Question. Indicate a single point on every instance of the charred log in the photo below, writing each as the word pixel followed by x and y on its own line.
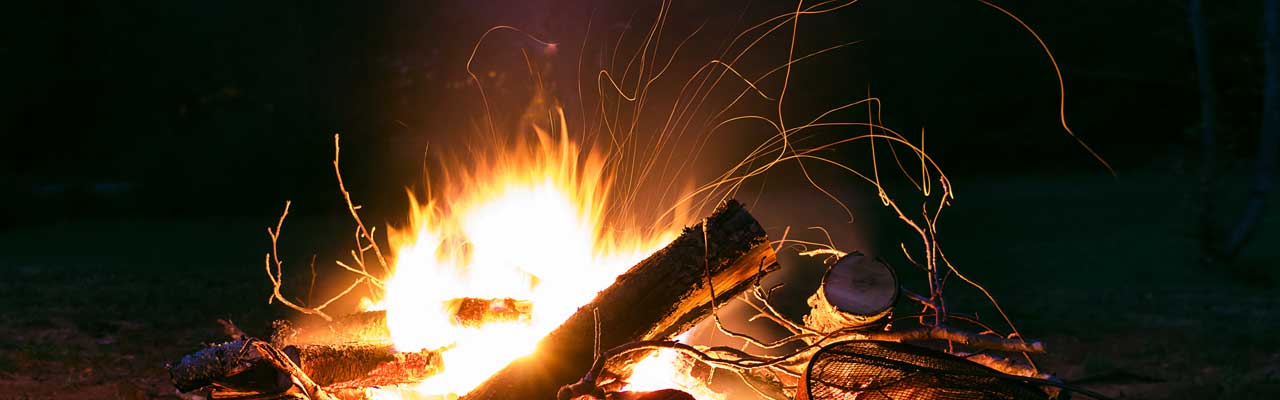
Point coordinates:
pixel 403 368
pixel 340 365
pixel 247 367
pixel 473 312
pixel 369 328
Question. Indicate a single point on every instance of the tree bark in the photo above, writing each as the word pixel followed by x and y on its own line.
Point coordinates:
pixel 243 367
pixel 356 364
pixel 1268 137
pixel 1208 142
pixel 366 327
pixel 662 296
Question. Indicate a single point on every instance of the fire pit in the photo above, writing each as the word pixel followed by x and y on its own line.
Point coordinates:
pixel 521 277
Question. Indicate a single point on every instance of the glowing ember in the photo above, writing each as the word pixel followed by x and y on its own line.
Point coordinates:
pixel 525 225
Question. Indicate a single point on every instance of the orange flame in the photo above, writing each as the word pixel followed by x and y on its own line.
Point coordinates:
pixel 665 370
pixel 525 224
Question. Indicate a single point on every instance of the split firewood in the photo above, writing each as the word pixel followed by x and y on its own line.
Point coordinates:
pixel 356 351
pixel 857 291
pixel 662 296
pixel 473 312
pixel 402 369
pixel 370 327
pixel 337 364
pixel 365 328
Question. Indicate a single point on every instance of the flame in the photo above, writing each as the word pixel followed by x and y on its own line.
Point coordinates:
pixel 527 223
pixel 664 369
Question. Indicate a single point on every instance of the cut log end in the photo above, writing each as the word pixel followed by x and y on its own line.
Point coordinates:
pixel 856 291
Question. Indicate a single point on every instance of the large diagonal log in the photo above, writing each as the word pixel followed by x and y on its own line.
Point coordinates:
pixel 662 296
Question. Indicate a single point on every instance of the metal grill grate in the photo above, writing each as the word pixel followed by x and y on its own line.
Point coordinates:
pixel 875 370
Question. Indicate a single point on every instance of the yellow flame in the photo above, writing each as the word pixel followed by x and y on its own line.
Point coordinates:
pixel 525 224
pixel 664 369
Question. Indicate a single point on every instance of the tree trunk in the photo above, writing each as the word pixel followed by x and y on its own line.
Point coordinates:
pixel 1268 137
pixel 664 295
pixel 1208 143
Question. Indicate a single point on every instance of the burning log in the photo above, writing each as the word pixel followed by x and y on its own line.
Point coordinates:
pixel 474 312
pixel 355 351
pixel 368 327
pixel 342 364
pixel 403 368
pixel 662 296
pixel 857 291
pixel 349 348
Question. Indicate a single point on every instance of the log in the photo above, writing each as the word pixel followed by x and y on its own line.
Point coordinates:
pixel 402 369
pixel 370 327
pixel 245 368
pixel 355 351
pixel 473 312
pixel 662 296
pixel 363 328
pixel 348 365
pixel 232 365
pixel 857 291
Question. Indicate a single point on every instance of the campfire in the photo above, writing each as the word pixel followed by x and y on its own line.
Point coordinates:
pixel 520 278
pixel 483 321
pixel 597 317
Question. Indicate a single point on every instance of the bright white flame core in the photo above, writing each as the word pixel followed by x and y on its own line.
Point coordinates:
pixel 665 370
pixel 526 224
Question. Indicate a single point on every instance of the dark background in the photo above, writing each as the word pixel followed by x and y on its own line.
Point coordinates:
pixel 182 110
pixel 144 148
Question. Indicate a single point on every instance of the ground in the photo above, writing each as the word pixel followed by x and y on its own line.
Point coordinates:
pixel 1102 269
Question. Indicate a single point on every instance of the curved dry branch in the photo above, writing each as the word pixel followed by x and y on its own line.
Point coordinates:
pixel 277 276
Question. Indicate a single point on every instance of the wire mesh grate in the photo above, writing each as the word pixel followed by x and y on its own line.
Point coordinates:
pixel 876 370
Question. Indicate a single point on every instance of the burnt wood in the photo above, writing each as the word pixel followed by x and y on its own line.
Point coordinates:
pixel 349 364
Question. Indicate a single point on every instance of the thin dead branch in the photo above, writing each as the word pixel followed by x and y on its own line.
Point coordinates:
pixel 367 234
pixel 277 276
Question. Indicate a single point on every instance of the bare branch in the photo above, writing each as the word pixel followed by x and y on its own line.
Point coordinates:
pixel 276 277
pixel 352 207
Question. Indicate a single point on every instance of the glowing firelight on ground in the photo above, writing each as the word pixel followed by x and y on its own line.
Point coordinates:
pixel 526 224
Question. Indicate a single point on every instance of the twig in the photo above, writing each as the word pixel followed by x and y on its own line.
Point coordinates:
pixel 354 214
pixel 231 330
pixel 277 277
pixel 990 342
